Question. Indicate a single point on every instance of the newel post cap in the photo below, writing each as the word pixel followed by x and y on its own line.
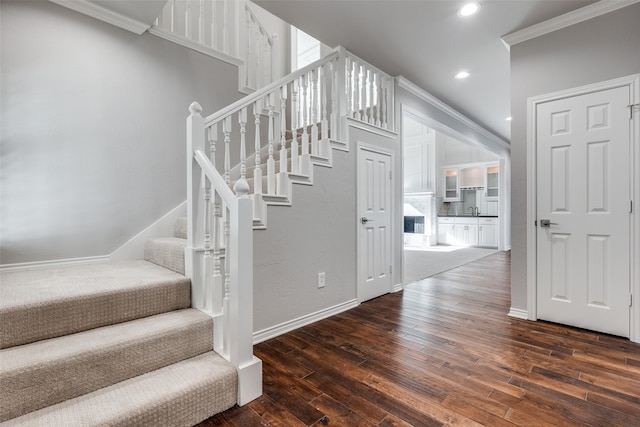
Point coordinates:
pixel 195 109
pixel 241 188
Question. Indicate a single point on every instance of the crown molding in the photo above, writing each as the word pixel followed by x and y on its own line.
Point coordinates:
pixel 570 18
pixel 93 10
pixel 411 87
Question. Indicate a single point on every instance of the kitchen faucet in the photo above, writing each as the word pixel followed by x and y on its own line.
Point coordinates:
pixel 474 210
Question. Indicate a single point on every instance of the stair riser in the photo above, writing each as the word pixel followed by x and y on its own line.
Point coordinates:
pixel 167 253
pixel 26 389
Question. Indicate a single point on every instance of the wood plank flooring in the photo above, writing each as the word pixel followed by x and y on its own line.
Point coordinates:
pixel 444 352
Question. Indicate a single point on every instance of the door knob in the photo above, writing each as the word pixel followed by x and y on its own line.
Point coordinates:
pixel 546 223
pixel 365 220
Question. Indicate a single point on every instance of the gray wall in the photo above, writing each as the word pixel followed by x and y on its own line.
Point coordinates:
pixel 600 49
pixel 93 130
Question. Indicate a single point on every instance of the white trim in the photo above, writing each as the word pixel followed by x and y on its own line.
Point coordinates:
pixel 633 82
pixel 290 325
pixel 371 128
pixel 37 265
pixel 518 314
pixel 105 15
pixel 432 100
pixel 163 227
pixel 199 47
pixel 570 18
pixel 398 287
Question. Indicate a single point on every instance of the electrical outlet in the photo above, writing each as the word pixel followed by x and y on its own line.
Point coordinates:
pixel 321 280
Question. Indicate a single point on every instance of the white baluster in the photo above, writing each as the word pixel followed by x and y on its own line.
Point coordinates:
pixel 226 130
pixel 334 98
pixel 314 112
pixel 305 160
pixel 324 125
pixel 295 159
pixel 226 304
pixel 385 96
pixel 350 87
pixel 257 174
pixel 283 129
pixel 225 26
pixel 207 266
pixel 378 100
pixel 242 119
pixel 370 81
pixel 249 65
pixel 173 16
pixel 187 20
pixel 271 164
pixel 201 23
pixel 214 25
pixel 213 140
pixel 258 52
pixel 358 92
pixel 265 60
pixel 363 94
pixel 218 285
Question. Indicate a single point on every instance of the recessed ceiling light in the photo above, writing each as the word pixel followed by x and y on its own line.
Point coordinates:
pixel 462 75
pixel 469 9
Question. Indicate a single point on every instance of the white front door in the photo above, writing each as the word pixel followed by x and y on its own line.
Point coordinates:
pixel 583 211
pixel 374 223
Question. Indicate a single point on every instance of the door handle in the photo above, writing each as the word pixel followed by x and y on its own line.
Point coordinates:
pixel 546 223
pixel 365 220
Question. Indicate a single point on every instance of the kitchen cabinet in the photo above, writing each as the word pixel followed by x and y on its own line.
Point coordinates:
pixel 491 182
pixel 488 232
pixel 468 231
pixel 451 184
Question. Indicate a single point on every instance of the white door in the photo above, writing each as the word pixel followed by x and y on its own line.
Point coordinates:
pixel 583 192
pixel 374 224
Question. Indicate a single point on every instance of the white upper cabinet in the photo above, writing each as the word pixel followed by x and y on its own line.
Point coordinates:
pixel 451 184
pixel 491 182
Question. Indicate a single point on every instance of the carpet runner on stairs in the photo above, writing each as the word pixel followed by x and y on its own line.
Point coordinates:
pixel 109 344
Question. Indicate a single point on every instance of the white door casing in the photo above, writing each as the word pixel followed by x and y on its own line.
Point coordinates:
pixel 374 222
pixel 581 158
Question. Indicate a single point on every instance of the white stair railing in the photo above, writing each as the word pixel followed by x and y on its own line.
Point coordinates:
pixel 225 29
pixel 227 186
pixel 229 301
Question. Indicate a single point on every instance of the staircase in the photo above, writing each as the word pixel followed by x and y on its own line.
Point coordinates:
pixel 169 340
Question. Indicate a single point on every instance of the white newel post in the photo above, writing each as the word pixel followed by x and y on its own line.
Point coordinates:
pixel 241 297
pixel 195 141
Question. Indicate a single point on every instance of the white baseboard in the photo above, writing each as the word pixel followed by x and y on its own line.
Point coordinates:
pixel 518 313
pixel 397 287
pixel 134 248
pixel 36 265
pixel 290 325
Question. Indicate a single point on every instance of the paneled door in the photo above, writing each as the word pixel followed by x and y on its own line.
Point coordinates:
pixel 374 223
pixel 583 211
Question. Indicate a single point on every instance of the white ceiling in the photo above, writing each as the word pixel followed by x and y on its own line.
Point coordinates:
pixel 426 42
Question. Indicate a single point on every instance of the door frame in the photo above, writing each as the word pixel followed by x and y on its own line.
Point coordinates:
pixel 392 236
pixel 633 82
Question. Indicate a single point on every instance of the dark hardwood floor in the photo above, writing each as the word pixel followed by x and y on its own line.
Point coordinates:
pixel 444 352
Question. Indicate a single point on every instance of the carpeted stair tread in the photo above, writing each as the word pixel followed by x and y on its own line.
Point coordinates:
pixel 44 373
pixel 47 303
pixel 167 252
pixel 182 394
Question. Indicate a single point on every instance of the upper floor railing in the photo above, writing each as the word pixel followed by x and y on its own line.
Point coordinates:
pixel 225 29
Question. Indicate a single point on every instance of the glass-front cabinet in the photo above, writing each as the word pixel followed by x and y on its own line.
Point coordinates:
pixel 491 182
pixel 451 184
